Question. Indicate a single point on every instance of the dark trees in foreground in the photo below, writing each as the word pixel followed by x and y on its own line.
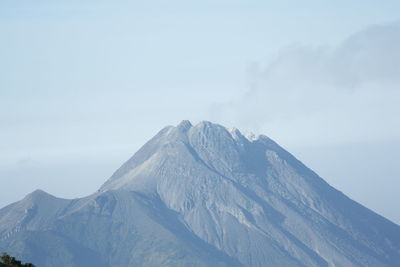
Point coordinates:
pixel 8 261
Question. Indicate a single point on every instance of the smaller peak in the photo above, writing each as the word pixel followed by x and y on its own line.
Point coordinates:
pixel 38 194
pixel 184 125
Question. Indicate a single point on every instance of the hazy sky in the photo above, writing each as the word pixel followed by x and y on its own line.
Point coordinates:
pixel 83 84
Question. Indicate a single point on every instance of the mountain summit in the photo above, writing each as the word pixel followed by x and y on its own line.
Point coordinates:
pixel 202 195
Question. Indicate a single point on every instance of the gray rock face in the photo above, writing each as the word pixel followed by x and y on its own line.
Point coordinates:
pixel 202 195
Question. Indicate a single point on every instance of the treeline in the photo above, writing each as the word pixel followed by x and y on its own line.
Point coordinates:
pixel 8 261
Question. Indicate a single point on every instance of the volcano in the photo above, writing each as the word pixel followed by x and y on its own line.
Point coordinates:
pixel 202 195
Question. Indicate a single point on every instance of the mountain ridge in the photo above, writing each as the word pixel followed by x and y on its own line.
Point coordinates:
pixel 203 195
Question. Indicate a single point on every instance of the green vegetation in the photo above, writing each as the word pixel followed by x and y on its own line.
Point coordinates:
pixel 8 261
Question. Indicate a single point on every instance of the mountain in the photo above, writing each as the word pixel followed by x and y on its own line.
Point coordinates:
pixel 202 195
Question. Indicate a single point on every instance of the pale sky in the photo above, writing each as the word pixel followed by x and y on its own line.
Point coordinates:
pixel 83 84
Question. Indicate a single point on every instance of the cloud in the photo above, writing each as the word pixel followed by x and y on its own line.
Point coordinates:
pixel 343 93
pixel 369 56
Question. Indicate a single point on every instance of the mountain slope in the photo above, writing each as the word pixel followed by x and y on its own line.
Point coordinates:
pixel 203 195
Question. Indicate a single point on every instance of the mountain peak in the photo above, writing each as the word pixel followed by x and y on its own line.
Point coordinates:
pixel 208 171
pixel 187 146
pixel 203 195
pixel 38 193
